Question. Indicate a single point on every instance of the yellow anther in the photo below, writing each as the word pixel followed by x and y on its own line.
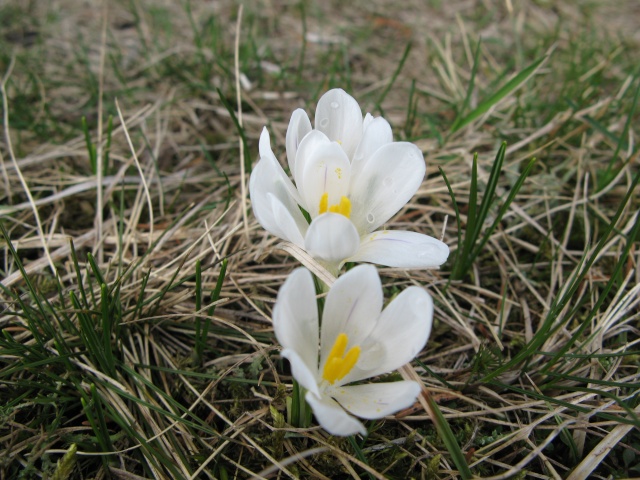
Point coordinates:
pixel 338 364
pixel 343 207
pixel 339 346
pixel 348 361
pixel 324 203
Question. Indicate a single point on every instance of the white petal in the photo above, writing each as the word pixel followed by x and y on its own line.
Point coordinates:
pixel 264 144
pixel 259 186
pixel 299 126
pixel 353 306
pixel 313 141
pixel 339 116
pixel 301 371
pixel 397 248
pixel 326 170
pixel 368 118
pixel 332 238
pixel 265 185
pixel 291 229
pixel 400 334
pixel 391 177
pixel 277 172
pixel 333 418
pixel 376 134
pixel 295 317
pixel 377 400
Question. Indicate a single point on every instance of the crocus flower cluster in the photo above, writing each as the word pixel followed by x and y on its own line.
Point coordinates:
pixel 358 340
pixel 350 179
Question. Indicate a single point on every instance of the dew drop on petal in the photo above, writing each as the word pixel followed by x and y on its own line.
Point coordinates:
pixel 335 105
pixel 324 122
pixel 370 217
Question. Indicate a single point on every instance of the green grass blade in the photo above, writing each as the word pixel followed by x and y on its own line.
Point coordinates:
pixel 490 191
pixel 88 331
pixel 575 282
pixel 403 59
pixel 31 288
pixel 215 296
pixel 509 87
pixel 503 209
pixel 570 406
pixel 241 132
pixel 95 269
pixel 91 148
pixel 459 268
pixel 79 282
pixel 449 439
pixel 107 148
pixel 107 322
pixel 458 221
pixel 208 376
pixel 472 83
pixel 359 454
pixel 158 298
pixel 140 301
pixel 604 295
pixel 198 327
pixel 623 135
pixel 89 403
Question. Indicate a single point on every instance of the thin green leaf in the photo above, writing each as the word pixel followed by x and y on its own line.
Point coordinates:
pixel 403 59
pixel 490 190
pixel 509 87
pixel 91 148
pixel 472 83
pixel 107 322
pixel 198 336
pixel 449 440
pixel 575 281
pixel 503 209
pixel 241 132
pixel 215 296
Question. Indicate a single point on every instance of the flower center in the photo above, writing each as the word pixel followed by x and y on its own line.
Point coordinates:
pixel 343 208
pixel 338 363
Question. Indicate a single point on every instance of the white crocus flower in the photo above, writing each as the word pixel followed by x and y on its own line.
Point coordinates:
pixel 357 341
pixel 351 178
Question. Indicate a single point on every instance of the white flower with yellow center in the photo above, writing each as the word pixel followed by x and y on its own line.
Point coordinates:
pixel 356 341
pixel 351 177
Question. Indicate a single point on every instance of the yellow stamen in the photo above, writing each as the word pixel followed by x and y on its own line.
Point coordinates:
pixel 338 364
pixel 324 203
pixel 337 351
pixel 343 208
pixel 348 361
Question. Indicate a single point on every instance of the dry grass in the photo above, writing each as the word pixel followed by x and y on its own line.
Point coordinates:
pixel 171 199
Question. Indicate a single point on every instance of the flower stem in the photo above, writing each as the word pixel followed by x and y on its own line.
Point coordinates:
pixel 299 410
